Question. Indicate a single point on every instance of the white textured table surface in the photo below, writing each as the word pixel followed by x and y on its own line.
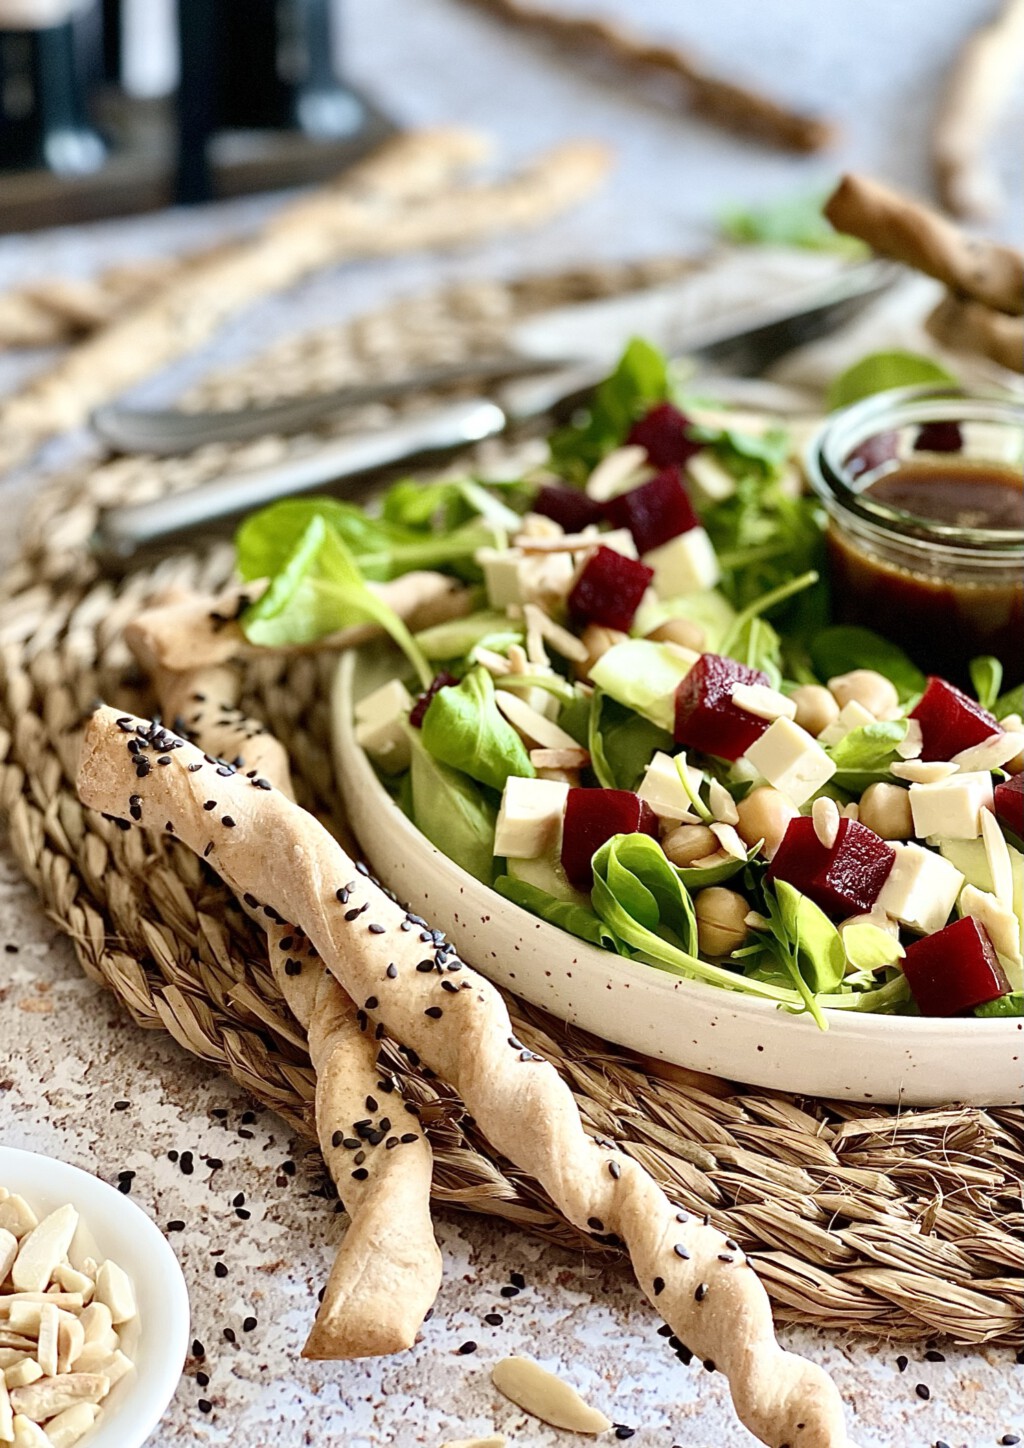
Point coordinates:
pixel 79 1081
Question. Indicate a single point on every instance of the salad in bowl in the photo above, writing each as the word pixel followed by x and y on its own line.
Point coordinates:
pixel 640 724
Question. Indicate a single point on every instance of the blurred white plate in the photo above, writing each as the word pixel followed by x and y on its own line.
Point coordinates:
pixel 921 1062
pixel 113 1226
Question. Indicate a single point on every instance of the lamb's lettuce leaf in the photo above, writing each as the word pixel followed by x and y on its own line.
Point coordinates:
pixel 1007 1005
pixel 643 675
pixel 464 728
pixel 844 647
pixel 576 919
pixel 621 743
pixel 452 811
pixel 987 679
pixel 457 637
pixel 640 380
pixel 866 755
pixel 882 371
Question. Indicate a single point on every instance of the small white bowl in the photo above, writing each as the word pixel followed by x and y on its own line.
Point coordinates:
pixel 862 1057
pixel 111 1225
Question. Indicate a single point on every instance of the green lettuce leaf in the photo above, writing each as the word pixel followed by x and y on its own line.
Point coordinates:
pixel 1012 702
pixel 880 372
pixel 457 637
pixel 643 675
pixel 317 590
pixel 987 679
pixel 867 754
pixel 1007 1005
pixel 452 811
pixel 638 382
pixel 464 728
pixel 576 919
pixel 844 647
pixel 621 743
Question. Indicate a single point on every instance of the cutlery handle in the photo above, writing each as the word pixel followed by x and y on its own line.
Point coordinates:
pixel 123 531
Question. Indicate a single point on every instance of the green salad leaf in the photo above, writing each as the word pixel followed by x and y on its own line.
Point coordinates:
pixel 1007 1005
pixel 844 647
pixel 1012 702
pixel 869 948
pixel 639 381
pixel 317 590
pixel 576 919
pixel 866 755
pixel 464 728
pixel 621 743
pixel 789 221
pixel 987 679
pixel 452 811
pixel 643 675
pixel 804 943
pixel 457 637
pixel 882 371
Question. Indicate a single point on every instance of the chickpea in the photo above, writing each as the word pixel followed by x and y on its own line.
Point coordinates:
pixel 765 815
pixel 816 708
pixel 885 808
pixel 681 631
pixel 597 640
pixel 571 777
pixel 686 844
pixel 1014 724
pixel 873 691
pixel 721 920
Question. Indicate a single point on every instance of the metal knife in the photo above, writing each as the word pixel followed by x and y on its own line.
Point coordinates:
pixel 767 332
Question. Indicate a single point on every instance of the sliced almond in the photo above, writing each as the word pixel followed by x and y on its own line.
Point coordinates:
pixel 558 543
pixel 50 1396
pixel 997 854
pixel 8 1338
pixel 729 840
pixel 722 804
pixel 616 471
pixel 559 758
pixel 8 1252
pixel 28 1434
pixel 45 1246
pixel 6 1415
pixel 23 1317
pixel 67 1427
pixel 116 1367
pixel 17 1216
pixel 46 1352
pixel 71 1280
pixel 67 1301
pixel 763 701
pixel 97 1323
pixel 561 640
pixel 825 816
pixel 534 728
pixel 9 1356
pixel 546 1396
pixel 924 771
pixel 70 1340
pixel 991 753
pixel 114 1290
pixel 23 1373
pixel 492 1440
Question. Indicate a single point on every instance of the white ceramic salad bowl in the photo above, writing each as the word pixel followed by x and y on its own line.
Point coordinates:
pixel 862 1057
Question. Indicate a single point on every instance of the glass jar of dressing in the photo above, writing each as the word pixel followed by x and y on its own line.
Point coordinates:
pixel 924 489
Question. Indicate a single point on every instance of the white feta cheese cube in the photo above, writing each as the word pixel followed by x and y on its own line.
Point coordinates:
pixel 530 817
pixel 791 760
pixel 851 716
pixel 501 576
pixel 513 578
pixel 380 726
pixel 951 807
pixel 663 789
pixel 921 889
pixel 619 540
pixel 685 564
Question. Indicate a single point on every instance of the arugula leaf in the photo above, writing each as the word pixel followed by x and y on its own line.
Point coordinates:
pixel 789 221
pixel 736 449
pixel 880 372
pixel 844 647
pixel 621 743
pixel 576 919
pixel 452 811
pixel 987 679
pixel 1007 1005
pixel 764 537
pixel 317 590
pixel 464 728
pixel 638 382
pixel 643 675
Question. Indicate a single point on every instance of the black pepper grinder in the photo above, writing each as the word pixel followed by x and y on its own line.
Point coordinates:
pixel 44 117
pixel 256 65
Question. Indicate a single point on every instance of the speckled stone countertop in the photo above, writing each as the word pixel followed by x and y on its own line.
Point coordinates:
pixel 227 1182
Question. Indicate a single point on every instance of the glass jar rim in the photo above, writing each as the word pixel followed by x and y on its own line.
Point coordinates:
pixel 842 434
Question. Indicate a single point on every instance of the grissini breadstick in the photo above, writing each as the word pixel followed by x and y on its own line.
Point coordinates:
pixel 906 230
pixel 413 987
pixel 327 231
pixel 973 99
pixel 966 326
pixel 388 1269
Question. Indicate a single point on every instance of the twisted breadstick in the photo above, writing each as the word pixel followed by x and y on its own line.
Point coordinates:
pixel 411 985
pixel 895 225
pixel 966 326
pixel 388 1269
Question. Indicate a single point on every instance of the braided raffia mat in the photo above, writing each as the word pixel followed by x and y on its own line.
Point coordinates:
pixel 909 1225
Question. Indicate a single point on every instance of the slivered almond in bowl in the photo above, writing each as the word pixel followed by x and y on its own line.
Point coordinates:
pixel 93 1311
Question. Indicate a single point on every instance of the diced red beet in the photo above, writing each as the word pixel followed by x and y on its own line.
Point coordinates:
pixel 951 720
pixel 954 970
pixel 940 437
pixel 664 432
pixel 706 717
pixel 655 511
pixel 1010 803
pixel 608 589
pixel 443 680
pixel 872 453
pixel 844 880
pixel 569 507
pixel 593 816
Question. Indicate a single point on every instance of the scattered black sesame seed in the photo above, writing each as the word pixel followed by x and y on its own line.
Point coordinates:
pixel 622 1432
pixel 684 1355
pixel 682 1251
pixel 219 1269
pixel 360 1174
pixel 209 804
pixel 186 1163
pixel 614 1170
pixel 214 1163
pixel 493 1319
pixel 902 1363
pixel 376 929
pixel 1010 1439
pixel 356 911
pixel 408 1138
pixel 701 1293
pixel 934 1356
pixel 923 1391
pixel 176 1226
pixel 391 971
pixel 710 1365
pixel 229 1335
pixel 659 1287
pixel 424 966
pixel 202 1380
pixel 198 1351
pixel 466 1349
pixel 204 1405
pixel 121 1105
pixel 510 1292
pixel 248 1324
pixel 726 1257
pixel 293 967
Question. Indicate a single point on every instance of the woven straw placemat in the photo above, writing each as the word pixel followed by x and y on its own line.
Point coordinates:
pixel 904 1224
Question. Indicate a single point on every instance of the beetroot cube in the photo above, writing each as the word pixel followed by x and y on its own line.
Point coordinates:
pixel 844 880
pixel 593 816
pixel 608 589
pixel 706 717
pixel 664 432
pixel 951 720
pixel 954 970
pixel 655 511
pixel 1010 803
pixel 570 508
